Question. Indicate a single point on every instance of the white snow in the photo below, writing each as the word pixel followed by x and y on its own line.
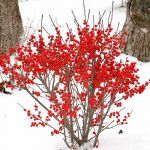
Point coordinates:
pixel 144 30
pixel 15 130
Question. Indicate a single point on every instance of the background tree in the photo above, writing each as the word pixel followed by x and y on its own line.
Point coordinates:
pixel 137 25
pixel 10 24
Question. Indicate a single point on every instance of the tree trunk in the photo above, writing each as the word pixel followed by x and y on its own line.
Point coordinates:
pixel 137 25
pixel 10 24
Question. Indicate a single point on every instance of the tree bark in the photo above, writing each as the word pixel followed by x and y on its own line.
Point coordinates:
pixel 10 24
pixel 137 25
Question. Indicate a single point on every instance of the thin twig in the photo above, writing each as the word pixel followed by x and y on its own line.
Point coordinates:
pixel 52 21
pixel 41 24
pixel 75 20
pixel 70 30
pixel 84 9
pixel 88 15
pixel 45 30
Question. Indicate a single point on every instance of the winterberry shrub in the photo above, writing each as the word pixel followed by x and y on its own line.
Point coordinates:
pixel 77 80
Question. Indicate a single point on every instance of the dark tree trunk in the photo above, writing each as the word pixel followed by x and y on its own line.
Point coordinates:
pixel 137 25
pixel 10 24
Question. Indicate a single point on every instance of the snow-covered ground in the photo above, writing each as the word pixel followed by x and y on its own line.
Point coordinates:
pixel 15 130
